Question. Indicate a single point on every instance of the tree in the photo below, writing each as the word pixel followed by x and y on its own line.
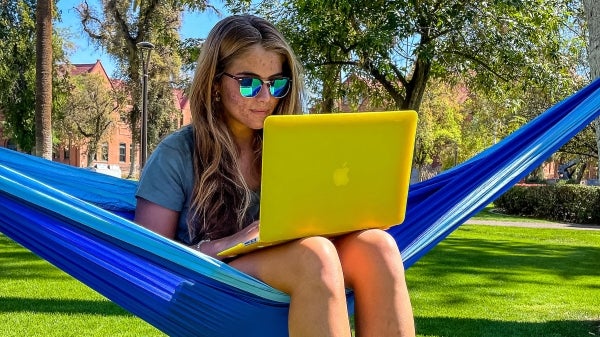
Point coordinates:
pixel 402 44
pixel 18 71
pixel 502 51
pixel 90 114
pixel 43 79
pixel 592 11
pixel 439 134
pixel 17 77
pixel 119 26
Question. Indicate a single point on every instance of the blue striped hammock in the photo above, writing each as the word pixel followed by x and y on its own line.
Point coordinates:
pixel 80 221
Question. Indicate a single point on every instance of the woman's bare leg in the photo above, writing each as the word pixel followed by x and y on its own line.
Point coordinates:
pixel 373 268
pixel 309 270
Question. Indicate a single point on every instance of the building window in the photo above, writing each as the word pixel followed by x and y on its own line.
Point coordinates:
pixel 67 152
pixel 105 151
pixel 122 152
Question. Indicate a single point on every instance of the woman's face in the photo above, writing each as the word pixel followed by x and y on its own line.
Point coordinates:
pixel 244 115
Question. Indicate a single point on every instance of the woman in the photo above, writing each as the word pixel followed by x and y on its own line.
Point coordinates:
pixel 200 187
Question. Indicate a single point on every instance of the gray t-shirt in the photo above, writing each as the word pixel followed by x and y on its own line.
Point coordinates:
pixel 168 179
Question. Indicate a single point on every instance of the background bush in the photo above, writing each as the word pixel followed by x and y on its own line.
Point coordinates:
pixel 560 202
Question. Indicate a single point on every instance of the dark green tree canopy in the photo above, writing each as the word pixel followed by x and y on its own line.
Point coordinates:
pixel 402 44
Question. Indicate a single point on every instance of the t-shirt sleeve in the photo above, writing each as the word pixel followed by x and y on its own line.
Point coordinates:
pixel 163 179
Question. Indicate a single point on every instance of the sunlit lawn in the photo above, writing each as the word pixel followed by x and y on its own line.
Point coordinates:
pixel 509 281
pixel 480 281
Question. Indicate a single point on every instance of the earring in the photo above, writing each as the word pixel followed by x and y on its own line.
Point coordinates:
pixel 218 97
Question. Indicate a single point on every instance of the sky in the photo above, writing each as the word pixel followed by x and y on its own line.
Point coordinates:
pixel 195 25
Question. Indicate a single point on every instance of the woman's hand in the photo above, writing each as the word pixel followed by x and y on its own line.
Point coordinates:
pixel 213 247
pixel 247 233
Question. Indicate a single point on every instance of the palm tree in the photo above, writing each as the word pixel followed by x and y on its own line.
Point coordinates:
pixel 592 11
pixel 43 79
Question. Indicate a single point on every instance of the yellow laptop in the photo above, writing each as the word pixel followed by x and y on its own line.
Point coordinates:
pixel 329 174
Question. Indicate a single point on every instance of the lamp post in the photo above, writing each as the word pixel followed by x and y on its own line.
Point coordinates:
pixel 145 50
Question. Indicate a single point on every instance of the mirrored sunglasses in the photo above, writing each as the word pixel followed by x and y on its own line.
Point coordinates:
pixel 250 86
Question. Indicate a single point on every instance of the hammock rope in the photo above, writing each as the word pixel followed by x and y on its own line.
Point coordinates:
pixel 80 221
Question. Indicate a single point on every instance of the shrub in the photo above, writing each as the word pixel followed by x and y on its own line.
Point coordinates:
pixel 561 202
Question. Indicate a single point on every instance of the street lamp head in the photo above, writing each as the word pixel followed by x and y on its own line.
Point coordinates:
pixel 145 50
pixel 145 45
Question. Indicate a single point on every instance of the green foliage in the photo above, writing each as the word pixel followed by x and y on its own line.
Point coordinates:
pixel 583 145
pixel 439 131
pixel 494 115
pixel 17 71
pixel 400 45
pixel 561 202
pixel 164 117
pixel 514 59
pixel 91 112
pixel 118 27
pixel 190 51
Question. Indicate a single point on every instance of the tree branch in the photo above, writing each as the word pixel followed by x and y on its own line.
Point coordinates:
pixel 119 20
pixel 389 86
pixel 479 62
pixel 145 18
pixel 399 75
pixel 87 18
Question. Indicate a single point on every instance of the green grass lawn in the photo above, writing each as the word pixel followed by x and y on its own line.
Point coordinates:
pixel 480 281
pixel 37 299
pixel 508 281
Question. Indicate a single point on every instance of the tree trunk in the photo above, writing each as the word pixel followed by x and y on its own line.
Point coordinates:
pixel 330 77
pixel 417 85
pixel 592 13
pixel 92 150
pixel 43 79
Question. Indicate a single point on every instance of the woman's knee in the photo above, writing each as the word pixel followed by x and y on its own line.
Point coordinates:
pixel 309 263
pixel 315 266
pixel 317 257
pixel 376 242
pixel 373 252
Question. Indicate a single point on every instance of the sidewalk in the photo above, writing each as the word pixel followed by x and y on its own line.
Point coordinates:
pixel 556 225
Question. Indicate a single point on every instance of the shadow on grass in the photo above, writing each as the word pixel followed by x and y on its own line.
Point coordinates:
pixel 60 306
pixel 465 327
pixel 18 263
pixel 504 257
pixel 504 269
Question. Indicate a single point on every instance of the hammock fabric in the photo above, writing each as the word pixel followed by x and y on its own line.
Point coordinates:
pixel 80 221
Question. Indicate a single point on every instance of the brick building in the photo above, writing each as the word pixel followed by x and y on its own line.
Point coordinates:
pixel 115 151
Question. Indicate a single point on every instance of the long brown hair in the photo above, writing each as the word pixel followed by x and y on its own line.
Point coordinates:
pixel 220 196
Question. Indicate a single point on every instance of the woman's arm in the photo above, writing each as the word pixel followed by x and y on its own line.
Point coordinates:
pixel 156 218
pixel 164 222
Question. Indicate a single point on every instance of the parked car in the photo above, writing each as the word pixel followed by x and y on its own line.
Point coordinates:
pixel 109 169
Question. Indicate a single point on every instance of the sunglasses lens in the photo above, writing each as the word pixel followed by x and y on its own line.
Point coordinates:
pixel 249 86
pixel 279 87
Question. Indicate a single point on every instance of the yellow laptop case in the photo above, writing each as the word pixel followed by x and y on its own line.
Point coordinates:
pixel 328 174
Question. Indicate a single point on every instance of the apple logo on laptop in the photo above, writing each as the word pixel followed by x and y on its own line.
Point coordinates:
pixel 341 175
